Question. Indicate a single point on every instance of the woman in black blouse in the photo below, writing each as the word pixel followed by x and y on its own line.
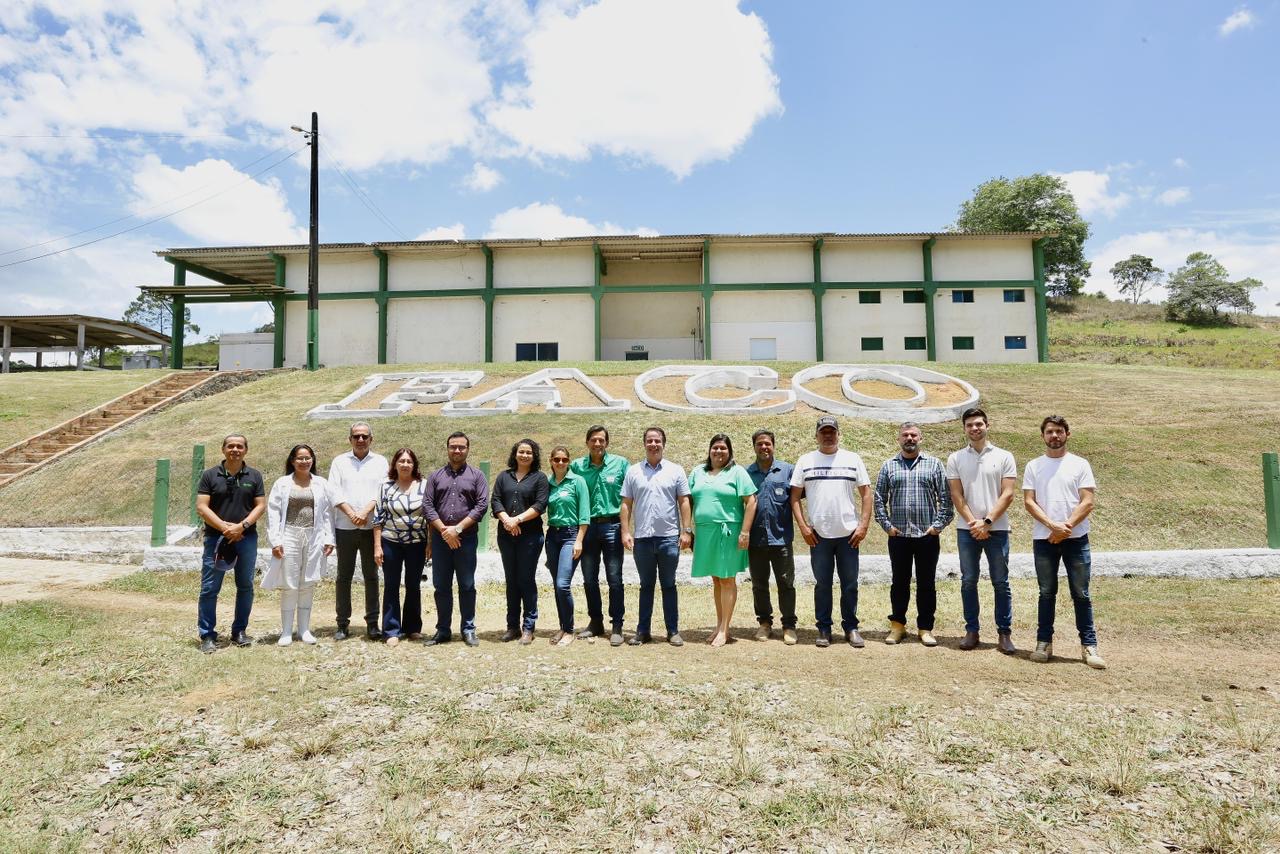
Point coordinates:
pixel 519 500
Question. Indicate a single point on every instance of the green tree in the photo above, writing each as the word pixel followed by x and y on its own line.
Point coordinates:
pixel 1200 290
pixel 1135 276
pixel 269 326
pixel 156 313
pixel 1034 203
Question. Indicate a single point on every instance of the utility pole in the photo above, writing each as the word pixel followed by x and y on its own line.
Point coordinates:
pixel 313 247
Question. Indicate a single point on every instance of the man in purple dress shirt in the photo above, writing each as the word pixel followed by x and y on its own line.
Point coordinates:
pixel 456 499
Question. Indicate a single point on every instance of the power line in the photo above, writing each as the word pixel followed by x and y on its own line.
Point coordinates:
pixel 364 199
pixel 247 178
pixel 123 136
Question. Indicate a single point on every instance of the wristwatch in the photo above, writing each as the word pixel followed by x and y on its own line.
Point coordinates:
pixel 687 531
pixel 986 521
pixel 457 529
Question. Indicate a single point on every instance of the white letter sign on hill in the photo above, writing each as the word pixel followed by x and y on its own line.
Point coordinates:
pixel 537 387
pixel 761 384
pixel 857 405
pixel 421 387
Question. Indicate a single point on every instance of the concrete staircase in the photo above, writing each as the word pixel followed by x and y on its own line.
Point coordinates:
pixel 38 451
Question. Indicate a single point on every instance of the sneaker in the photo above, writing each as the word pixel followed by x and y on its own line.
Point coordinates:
pixel 897 631
pixel 285 640
pixel 469 638
pixel 374 633
pixel 1090 656
pixel 241 639
pixel 438 638
pixel 509 635
pixel 341 634
pixel 593 630
pixel 615 639
pixel 394 640
pixel 855 639
pixel 927 638
pixel 789 637
pixel 307 637
pixel 763 631
pixel 1044 652
pixel 208 646
pixel 674 639
pixel 824 639
pixel 640 638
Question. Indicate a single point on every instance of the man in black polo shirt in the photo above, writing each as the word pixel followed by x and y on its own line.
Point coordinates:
pixel 230 499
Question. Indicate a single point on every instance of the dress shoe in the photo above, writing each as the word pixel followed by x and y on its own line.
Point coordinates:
pixel 415 635
pixel 927 638
pixel 789 637
pixel 763 631
pixel 640 638
pixel 509 635
pixel 897 631
pixel 824 639
pixel 373 633
pixel 1044 652
pixel 208 645
pixel 970 641
pixel 438 638
pixel 855 639
pixel 469 638
pixel 675 640
pixel 241 639
pixel 1089 654
pixel 1005 644
pixel 341 634
pixel 526 637
pixel 594 629
pixel 615 639
pixel 394 640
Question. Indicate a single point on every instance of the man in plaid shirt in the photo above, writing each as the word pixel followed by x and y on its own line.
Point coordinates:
pixel 913 505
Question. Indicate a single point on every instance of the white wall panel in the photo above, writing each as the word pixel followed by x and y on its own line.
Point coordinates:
pixel 977 260
pixel 733 263
pixel 435 330
pixel 891 261
pixel 463 268
pixel 543 267
pixel 566 319
pixel 339 272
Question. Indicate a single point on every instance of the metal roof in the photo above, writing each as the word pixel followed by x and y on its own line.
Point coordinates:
pixel 36 331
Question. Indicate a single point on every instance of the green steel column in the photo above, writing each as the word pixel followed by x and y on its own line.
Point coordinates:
pixel 197 469
pixel 482 533
pixel 706 299
pixel 1042 304
pixel 160 505
pixel 179 314
pixel 818 292
pixel 278 312
pixel 382 306
pixel 1271 493
pixel 488 302
pixel 597 294
pixel 313 339
pixel 930 289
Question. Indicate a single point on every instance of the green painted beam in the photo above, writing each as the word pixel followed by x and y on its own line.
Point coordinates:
pixel 707 293
pixel 243 298
pixel 382 305
pixel 1042 301
pixel 278 312
pixel 488 302
pixel 213 275
pixel 178 323
pixel 818 293
pixel 930 290
pixel 597 298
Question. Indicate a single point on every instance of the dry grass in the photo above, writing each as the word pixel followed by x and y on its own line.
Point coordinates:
pixel 119 735
pixel 33 402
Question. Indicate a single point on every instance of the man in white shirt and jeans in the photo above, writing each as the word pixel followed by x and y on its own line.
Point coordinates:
pixel 1057 490
pixel 837 492
pixel 356 479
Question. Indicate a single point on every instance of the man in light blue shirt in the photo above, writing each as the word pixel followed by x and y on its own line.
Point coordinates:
pixel 655 499
pixel 772 533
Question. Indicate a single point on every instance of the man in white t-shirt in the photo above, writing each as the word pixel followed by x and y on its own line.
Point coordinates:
pixel 982 479
pixel 836 490
pixel 1057 490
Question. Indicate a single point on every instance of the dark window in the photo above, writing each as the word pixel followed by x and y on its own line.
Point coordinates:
pixel 962 296
pixel 1015 342
pixel 865 297
pixel 872 343
pixel 912 296
pixel 539 352
pixel 962 342
pixel 911 342
pixel 1015 296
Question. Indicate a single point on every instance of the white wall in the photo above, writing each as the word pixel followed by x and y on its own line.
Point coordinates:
pixel 340 271
pixel 246 351
pixel 988 319
pixel 348 332
pixel 435 330
pixel 891 261
pixel 967 260
pixel 658 348
pixel 543 267
pixel 566 319
pixel 786 316
pixel 734 263
pixel 461 268
pixel 652 273
pixel 664 323
pixel 295 334
pixel 846 322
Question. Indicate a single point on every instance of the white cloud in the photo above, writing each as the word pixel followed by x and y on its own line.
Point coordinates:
pixel 548 221
pixel 1090 192
pixel 250 212
pixel 1242 254
pixel 1181 163
pixel 1241 19
pixel 1174 196
pixel 662 81
pixel 444 232
pixel 482 179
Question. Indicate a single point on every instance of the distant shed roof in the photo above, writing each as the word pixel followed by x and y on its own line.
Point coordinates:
pixel 37 331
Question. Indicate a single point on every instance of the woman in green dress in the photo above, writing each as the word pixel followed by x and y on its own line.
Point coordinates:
pixel 724 504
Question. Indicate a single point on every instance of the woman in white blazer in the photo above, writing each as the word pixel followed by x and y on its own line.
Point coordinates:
pixel 300 530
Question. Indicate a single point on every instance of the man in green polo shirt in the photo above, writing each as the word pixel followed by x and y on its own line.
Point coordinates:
pixel 603 473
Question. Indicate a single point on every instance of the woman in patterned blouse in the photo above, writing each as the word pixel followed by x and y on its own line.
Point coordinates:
pixel 400 542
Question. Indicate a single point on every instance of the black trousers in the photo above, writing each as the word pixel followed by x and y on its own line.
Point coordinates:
pixel 349 543
pixel 763 559
pixel 923 552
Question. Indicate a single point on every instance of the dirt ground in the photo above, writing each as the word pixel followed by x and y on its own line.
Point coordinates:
pixel 23 579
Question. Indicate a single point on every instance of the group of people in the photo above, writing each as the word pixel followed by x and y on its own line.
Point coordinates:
pixel 585 513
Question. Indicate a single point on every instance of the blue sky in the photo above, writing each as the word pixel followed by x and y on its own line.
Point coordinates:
pixel 503 118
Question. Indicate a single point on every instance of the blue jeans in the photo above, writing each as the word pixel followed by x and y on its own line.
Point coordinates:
pixel 445 564
pixel 561 563
pixel 1075 554
pixel 830 556
pixel 411 558
pixel 996 548
pixel 657 558
pixel 603 540
pixel 211 585
pixel 520 565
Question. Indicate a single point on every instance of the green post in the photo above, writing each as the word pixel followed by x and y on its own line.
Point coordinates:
pixel 818 291
pixel 706 299
pixel 382 306
pixel 179 315
pixel 197 469
pixel 930 289
pixel 278 312
pixel 313 339
pixel 1271 492
pixel 488 302
pixel 597 294
pixel 482 530
pixel 160 505
pixel 1042 304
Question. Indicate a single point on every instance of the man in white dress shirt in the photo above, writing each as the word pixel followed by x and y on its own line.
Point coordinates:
pixel 356 479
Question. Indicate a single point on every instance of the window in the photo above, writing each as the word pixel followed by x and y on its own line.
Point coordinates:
pixel 912 296
pixel 1015 342
pixel 540 352
pixel 962 342
pixel 872 343
pixel 962 296
pixel 868 297
pixel 1015 295
pixel 912 342
pixel 764 349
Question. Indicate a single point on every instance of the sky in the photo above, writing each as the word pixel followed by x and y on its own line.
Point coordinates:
pixel 170 122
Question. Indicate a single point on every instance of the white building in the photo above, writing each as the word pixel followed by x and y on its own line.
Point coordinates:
pixel 804 297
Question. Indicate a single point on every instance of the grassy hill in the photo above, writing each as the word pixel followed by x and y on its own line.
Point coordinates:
pixel 1176 450
pixel 33 402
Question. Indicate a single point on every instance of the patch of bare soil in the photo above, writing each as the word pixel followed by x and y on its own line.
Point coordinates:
pixel 882 390
pixel 23 579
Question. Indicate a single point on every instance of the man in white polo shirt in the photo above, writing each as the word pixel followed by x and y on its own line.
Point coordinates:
pixel 356 479
pixel 836 489
pixel 1057 490
pixel 982 479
